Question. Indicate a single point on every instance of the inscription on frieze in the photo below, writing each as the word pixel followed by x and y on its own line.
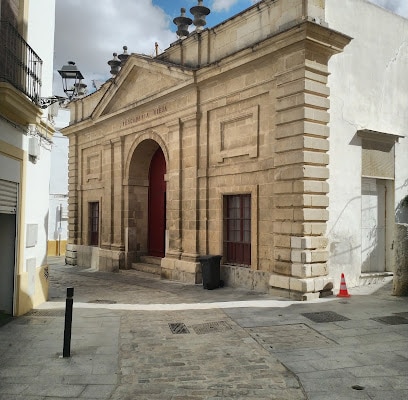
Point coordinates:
pixel 134 119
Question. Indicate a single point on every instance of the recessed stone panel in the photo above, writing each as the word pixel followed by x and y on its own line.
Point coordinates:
pixel 235 131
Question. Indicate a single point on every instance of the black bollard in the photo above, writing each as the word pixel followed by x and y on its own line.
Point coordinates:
pixel 68 322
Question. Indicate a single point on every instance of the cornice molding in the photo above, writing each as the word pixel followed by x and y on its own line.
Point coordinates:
pixel 16 107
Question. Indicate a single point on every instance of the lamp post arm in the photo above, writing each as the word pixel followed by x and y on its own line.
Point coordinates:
pixel 44 102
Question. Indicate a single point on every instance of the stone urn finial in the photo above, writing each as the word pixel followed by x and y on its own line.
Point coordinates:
pixel 199 12
pixel 124 56
pixel 114 64
pixel 182 23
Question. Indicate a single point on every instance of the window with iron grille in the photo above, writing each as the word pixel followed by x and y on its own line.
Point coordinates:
pixel 94 224
pixel 237 229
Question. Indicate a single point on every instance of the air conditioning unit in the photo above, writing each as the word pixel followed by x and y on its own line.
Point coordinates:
pixel 34 147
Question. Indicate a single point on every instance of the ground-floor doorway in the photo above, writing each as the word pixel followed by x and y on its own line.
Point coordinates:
pixel 374 225
pixel 157 205
pixel 7 261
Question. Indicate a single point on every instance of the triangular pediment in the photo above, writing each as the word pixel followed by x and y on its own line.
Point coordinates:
pixel 141 79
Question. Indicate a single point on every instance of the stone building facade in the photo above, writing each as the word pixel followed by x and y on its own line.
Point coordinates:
pixel 219 145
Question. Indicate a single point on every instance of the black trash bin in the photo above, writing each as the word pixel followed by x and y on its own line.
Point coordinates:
pixel 210 267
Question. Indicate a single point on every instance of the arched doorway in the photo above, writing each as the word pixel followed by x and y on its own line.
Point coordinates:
pixel 157 205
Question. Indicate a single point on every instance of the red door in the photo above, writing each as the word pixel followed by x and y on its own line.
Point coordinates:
pixel 157 204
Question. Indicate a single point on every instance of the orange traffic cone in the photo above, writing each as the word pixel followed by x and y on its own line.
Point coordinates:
pixel 343 288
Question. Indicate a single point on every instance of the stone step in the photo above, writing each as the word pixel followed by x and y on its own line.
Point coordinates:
pixel 367 278
pixel 150 260
pixel 146 267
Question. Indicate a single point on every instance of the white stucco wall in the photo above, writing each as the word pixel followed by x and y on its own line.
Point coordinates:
pixel 11 134
pixel 40 36
pixel 36 210
pixel 59 165
pixel 57 226
pixel 59 157
pixel 368 90
pixel 36 187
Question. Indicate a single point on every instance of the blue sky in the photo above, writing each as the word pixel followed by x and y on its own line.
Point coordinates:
pixel 89 31
pixel 220 9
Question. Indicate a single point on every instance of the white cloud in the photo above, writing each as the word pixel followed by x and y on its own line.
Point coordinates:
pixel 88 32
pixel 223 5
pixel 226 5
pixel 397 6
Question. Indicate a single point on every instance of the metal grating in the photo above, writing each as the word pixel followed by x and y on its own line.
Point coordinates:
pixel 178 328
pixel 60 312
pixel 325 316
pixel 99 301
pixel 209 327
pixel 391 320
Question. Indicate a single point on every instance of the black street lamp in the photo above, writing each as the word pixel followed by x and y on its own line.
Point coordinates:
pixel 71 83
pixel 71 80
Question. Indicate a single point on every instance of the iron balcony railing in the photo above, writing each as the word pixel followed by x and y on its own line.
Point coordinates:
pixel 19 64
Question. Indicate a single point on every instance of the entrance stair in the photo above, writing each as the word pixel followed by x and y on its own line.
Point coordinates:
pixel 148 264
pixel 369 278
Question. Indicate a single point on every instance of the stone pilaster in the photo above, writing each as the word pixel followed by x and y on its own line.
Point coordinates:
pixel 73 201
pixel 189 204
pixel 301 171
pixel 181 261
pixel 117 194
pixel 174 199
pixel 106 207
pixel 173 190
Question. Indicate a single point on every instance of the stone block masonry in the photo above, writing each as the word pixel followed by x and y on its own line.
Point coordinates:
pixel 247 120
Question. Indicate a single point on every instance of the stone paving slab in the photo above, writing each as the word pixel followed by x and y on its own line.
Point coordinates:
pixel 31 365
pixel 239 345
pixel 360 352
pixel 280 338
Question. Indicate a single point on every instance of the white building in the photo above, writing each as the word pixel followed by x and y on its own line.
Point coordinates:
pixel 25 148
pixel 368 139
pixel 58 206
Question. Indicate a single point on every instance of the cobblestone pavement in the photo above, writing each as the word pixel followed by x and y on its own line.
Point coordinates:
pixel 213 358
pixel 137 337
